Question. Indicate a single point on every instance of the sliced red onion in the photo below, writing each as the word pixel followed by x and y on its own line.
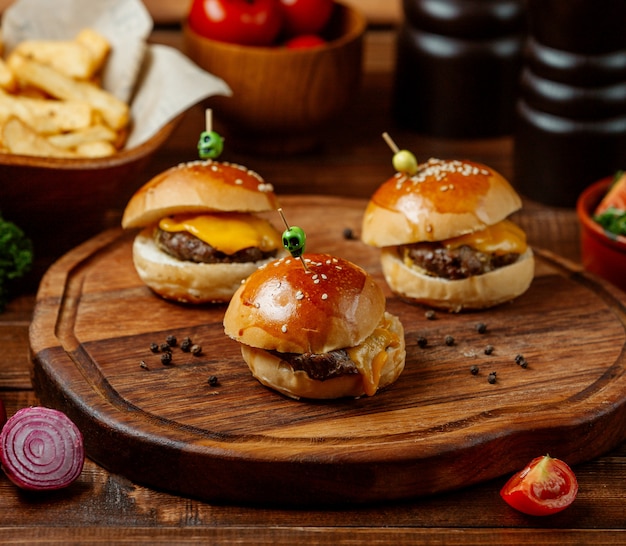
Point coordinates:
pixel 41 449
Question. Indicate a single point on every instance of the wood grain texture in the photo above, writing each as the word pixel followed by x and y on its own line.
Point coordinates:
pixel 437 428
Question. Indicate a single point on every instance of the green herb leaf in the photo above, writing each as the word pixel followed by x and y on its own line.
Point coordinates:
pixel 16 257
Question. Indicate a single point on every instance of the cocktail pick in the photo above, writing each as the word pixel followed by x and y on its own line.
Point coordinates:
pixel 403 160
pixel 294 239
pixel 210 144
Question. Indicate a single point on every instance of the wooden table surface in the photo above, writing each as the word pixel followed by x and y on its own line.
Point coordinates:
pixel 105 508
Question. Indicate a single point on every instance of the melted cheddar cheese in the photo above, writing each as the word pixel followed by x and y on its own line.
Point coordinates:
pixel 371 355
pixel 228 232
pixel 502 238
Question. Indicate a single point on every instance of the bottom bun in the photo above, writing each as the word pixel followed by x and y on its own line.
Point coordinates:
pixel 184 281
pixel 477 292
pixel 273 372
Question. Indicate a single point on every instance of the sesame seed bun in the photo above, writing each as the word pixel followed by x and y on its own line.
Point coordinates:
pixel 286 308
pixel 443 200
pixel 331 305
pixel 199 186
pixel 193 188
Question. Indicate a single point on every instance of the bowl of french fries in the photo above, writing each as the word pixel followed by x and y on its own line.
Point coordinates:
pixel 63 156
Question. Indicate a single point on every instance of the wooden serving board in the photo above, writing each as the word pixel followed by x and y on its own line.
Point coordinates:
pixel 437 428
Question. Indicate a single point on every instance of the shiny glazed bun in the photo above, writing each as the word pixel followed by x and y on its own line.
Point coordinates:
pixel 443 199
pixel 193 217
pixel 199 186
pixel 284 311
pixel 445 238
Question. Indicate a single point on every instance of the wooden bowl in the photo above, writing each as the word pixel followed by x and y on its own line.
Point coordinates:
pixel 601 253
pixel 59 202
pixel 283 99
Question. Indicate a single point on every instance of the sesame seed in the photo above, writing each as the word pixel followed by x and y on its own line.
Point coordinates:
pixel 284 328
pixel 299 295
pixel 324 296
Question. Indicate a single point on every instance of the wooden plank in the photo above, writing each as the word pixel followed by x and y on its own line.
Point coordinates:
pixel 437 428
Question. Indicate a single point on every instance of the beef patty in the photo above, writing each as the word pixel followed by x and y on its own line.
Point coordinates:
pixel 187 247
pixel 320 366
pixel 454 264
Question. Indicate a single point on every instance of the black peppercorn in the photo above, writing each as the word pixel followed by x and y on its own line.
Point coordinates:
pixel 348 234
pixel 196 349
pixel 154 347
pixel 449 341
pixel 481 328
pixel 520 360
pixel 492 378
pixel 171 341
pixel 474 369
pixel 165 348
pixel 422 342
pixel 213 381
pixel 166 358
pixel 430 314
pixel 186 344
pixel 488 349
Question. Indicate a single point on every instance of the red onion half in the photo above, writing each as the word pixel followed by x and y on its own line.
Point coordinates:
pixel 41 449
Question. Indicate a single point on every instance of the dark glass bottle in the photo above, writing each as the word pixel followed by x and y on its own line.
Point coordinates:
pixel 458 65
pixel 571 117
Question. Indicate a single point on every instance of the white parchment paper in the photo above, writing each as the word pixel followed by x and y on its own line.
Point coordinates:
pixel 158 81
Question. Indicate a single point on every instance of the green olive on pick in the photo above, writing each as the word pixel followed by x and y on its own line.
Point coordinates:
pixel 405 162
pixel 294 240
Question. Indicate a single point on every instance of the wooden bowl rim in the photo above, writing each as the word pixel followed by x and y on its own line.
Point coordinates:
pixel 122 157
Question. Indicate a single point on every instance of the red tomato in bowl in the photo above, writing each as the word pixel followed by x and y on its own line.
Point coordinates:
pixel 545 486
pixel 244 22
pixel 305 16
pixel 304 41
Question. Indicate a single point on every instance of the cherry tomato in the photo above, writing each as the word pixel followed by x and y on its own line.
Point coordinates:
pixel 305 16
pixel 244 22
pixel 545 486
pixel 304 41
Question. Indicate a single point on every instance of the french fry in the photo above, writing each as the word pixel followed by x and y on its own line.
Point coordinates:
pixel 51 102
pixel 96 148
pixel 75 139
pixel 19 138
pixel 115 112
pixel 47 116
pixel 7 78
pixel 81 58
pixel 98 46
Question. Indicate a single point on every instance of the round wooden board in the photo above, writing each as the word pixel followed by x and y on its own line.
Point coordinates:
pixel 439 427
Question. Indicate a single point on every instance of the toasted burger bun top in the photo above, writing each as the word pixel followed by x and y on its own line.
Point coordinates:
pixel 281 306
pixel 199 186
pixel 444 199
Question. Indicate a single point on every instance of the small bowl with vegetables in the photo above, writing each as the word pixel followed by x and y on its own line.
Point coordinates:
pixel 288 89
pixel 601 210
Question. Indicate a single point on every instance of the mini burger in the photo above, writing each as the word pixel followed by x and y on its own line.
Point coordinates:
pixel 445 238
pixel 200 235
pixel 319 332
